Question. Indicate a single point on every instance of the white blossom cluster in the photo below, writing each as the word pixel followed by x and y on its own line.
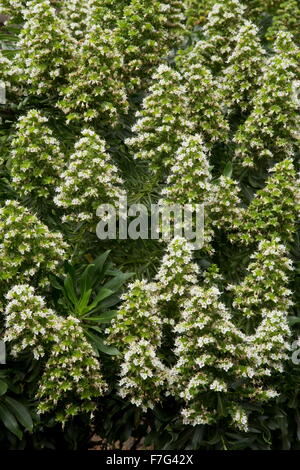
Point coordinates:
pixel 145 34
pixel 220 32
pixel 36 159
pixel 91 178
pixel 29 251
pixel 205 99
pixel 209 350
pixel 137 332
pixel 71 381
pixel 71 378
pixel 265 284
pixel 274 210
pixel 224 206
pixel 241 78
pixel 45 47
pixel 163 120
pixel 272 129
pixel 189 180
pixel 94 88
pixel 29 324
pixel 75 14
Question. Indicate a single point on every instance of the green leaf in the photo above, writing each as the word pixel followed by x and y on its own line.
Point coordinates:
pixel 102 294
pixel 105 318
pixel 70 291
pixel 10 421
pixel 86 279
pixel 228 170
pixel 3 387
pixel 98 342
pixel 116 283
pixel 83 303
pixel 21 413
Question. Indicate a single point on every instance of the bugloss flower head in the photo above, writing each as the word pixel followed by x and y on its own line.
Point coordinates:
pixel 219 34
pixel 241 78
pixel 274 210
pixel 266 281
pixel 91 178
pixel 45 48
pixel 94 88
pixel 163 120
pixel 208 348
pixel 145 34
pixel 189 178
pixel 74 13
pixel 71 380
pixel 205 99
pixel 36 159
pixel 271 132
pixel 29 324
pixel 28 249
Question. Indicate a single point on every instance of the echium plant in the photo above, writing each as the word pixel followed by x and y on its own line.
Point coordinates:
pixel 240 80
pixel 29 251
pixel 224 204
pixel 286 18
pixel 265 285
pixel 137 333
pixel 36 159
pixel 145 34
pixel 271 132
pixel 45 46
pixel 205 99
pixel 273 210
pixel 106 13
pixel 94 88
pixel 138 329
pixel 91 178
pixel 209 348
pixel 74 13
pixel 219 34
pixel 71 379
pixel 163 120
pixel 189 180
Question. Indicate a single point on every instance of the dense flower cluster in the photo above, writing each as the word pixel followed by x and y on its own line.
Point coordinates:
pixel 94 88
pixel 29 251
pixel 45 48
pixel 205 100
pixel 145 34
pixel 29 322
pixel 286 18
pixel 240 80
pixel 36 159
pixel 190 176
pixel 71 379
pixel 162 121
pixel 91 178
pixel 137 332
pixel 220 30
pixel 265 284
pixel 74 13
pixel 208 349
pixel 272 129
pixel 274 209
